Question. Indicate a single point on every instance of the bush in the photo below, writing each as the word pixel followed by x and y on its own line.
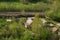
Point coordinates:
pixel 40 32
pixel 55 16
pixel 16 30
pixel 3 22
pixel 12 31
pixel 27 35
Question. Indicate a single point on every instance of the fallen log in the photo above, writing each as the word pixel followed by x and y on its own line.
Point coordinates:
pixel 20 14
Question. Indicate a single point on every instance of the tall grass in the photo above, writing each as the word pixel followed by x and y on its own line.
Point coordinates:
pixel 16 6
pixel 54 15
pixel 15 30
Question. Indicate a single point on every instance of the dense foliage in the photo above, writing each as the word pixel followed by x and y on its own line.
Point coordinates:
pixel 26 5
pixel 16 6
pixel 15 30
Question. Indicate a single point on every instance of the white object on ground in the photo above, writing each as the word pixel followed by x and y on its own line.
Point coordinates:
pixel 46 16
pixel 54 29
pixel 43 21
pixel 28 22
pixel 51 24
pixel 8 20
pixel 58 24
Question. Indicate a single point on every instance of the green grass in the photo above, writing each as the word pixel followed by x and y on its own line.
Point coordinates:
pixel 54 14
pixel 16 30
pixel 16 6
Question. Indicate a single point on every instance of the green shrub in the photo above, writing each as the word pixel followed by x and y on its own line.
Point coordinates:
pixel 27 35
pixel 14 30
pixel 3 22
pixel 52 15
pixel 40 32
pixel 56 16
